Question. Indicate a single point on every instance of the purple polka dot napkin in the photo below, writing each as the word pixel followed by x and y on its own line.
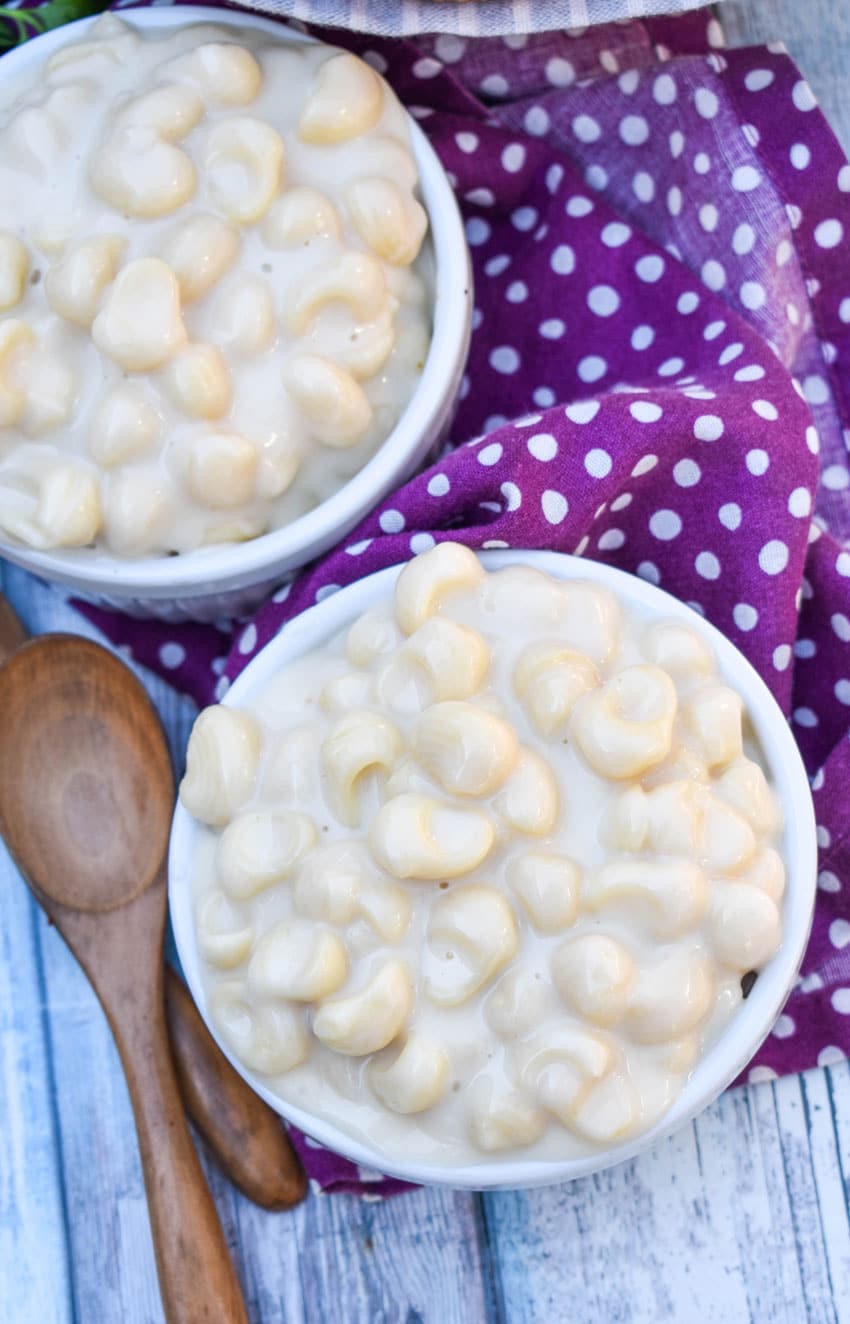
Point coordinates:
pixel 659 378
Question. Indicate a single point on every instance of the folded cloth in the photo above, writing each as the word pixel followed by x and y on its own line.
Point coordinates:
pixel 658 379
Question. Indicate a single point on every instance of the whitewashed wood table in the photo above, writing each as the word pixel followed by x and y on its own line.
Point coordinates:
pixel 742 1216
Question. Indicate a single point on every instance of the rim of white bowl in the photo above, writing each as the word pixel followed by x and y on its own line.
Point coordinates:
pixel 238 565
pixel 752 1022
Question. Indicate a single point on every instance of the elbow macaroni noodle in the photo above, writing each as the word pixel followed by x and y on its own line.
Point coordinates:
pixel 215 309
pixel 484 874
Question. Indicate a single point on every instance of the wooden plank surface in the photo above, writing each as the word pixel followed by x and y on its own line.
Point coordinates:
pixel 741 1217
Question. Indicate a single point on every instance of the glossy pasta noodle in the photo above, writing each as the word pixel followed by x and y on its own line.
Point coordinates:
pixel 483 874
pixel 213 310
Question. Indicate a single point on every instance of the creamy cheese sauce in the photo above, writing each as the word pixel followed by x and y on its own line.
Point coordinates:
pixel 213 303
pixel 483 874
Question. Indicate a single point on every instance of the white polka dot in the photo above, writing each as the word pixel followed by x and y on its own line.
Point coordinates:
pixel 490 455
pixel 812 439
pixel 504 359
pixel 643 186
pixel 844 311
pixel 745 616
pixel 623 500
pixel 757 79
pixel 579 206
pixel 477 231
pixel 596 177
pixel 552 329
pixel 841 625
pixel 581 548
pixel 490 425
pixel 554 175
pixel 745 178
pixel 221 687
pixel 841 996
pixel 426 68
pixel 467 142
pixel 842 564
pixel 773 557
pixel 730 516
pixel 611 541
pixel 583 411
pixel 708 427
pixel 830 1056
pixel 513 497
pixel 758 461
pixel 803 96
pixel 586 129
pixel 513 158
pixel 824 838
pixel 649 268
pixel 536 121
pixel 664 90
pixel 598 463
pixel 634 130
pixel 438 485
pixel 555 506
pixel 794 215
pixel 805 648
pixel 829 234
pixel 646 570
pixel 706 103
pixel 615 234
pixel 800 156
pixel 628 82
pixel 713 274
pixel 781 657
pixel 449 48
pixel 836 478
pixel 702 163
pixel 842 691
pixel 642 337
pixel 665 525
pixel 677 144
pixel 327 591
pixel 563 260
pixel 752 295
pixel 687 473
pixel 800 503
pixel 542 446
pixel 173 655
pixel 708 217
pixel 559 71
pixel 784 1027
pixel 591 368
pixel 494 85
pixel 760 1075
pixel 751 372
pixel 644 465
pixel 391 521
pixel 603 300
pixel 707 566
pixel 730 353
pixel 421 542
pixel 744 238
pixel 815 390
pixel 671 367
pixel 687 302
pixel 517 292
pixel 545 396
pixel 644 411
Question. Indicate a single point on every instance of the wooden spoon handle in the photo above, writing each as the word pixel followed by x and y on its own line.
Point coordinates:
pixel 12 633
pixel 239 1127
pixel 196 1275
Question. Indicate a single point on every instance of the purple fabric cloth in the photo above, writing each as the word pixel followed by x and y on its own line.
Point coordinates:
pixel 658 379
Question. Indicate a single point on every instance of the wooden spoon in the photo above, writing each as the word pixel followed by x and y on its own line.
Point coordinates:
pixel 85 806
pixel 246 1136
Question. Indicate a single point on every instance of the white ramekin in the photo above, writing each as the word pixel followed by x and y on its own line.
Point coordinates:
pixel 228 580
pixel 753 1019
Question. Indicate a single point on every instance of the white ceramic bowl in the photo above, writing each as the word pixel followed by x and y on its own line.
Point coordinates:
pixel 227 580
pixel 753 1019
